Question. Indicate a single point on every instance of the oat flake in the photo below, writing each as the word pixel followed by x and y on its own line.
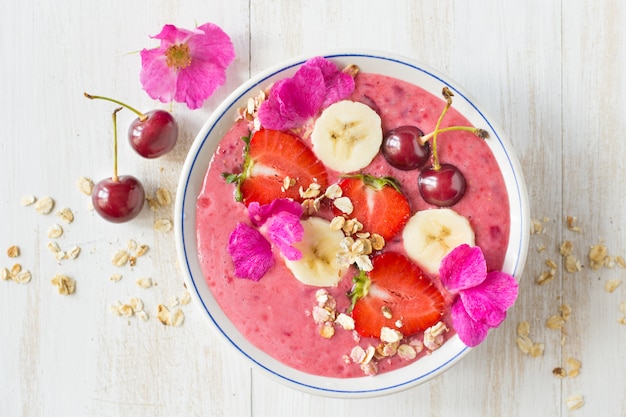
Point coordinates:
pixel 64 284
pixel 66 215
pixel 612 284
pixel 13 251
pixel 85 185
pixel 55 231
pixel 163 225
pixel 574 402
pixel 27 200
pixel 44 205
pixel 144 282
pixel 120 258
pixel 163 197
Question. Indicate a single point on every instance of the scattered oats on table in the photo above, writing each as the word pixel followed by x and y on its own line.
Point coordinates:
pixel 44 205
pixel 28 200
pixel 574 402
pixel 144 282
pixel 85 185
pixel 163 225
pixel 13 251
pixel 55 231
pixel 64 284
pixel 66 215
pixel 612 284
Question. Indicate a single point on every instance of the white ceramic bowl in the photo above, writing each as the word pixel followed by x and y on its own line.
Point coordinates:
pixel 191 180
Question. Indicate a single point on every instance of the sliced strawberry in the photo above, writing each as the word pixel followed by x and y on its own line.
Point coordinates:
pixel 378 204
pixel 273 156
pixel 399 290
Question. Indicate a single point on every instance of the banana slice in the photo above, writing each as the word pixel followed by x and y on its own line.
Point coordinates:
pixel 347 136
pixel 431 234
pixel 319 246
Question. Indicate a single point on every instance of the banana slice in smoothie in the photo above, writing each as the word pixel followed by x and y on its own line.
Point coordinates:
pixel 319 246
pixel 430 235
pixel 347 136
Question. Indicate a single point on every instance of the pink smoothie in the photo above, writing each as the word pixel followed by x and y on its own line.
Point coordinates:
pixel 274 313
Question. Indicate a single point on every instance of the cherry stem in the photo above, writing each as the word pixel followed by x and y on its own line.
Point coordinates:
pixel 447 94
pixel 481 133
pixel 142 117
pixel 114 178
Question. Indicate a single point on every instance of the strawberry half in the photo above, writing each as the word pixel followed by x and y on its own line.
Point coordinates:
pixel 271 157
pixel 378 203
pixel 395 292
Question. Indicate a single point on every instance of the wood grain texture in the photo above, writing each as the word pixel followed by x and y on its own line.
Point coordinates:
pixel 552 74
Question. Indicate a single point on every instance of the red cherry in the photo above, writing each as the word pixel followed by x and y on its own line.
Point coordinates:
pixel 155 135
pixel 151 134
pixel 403 148
pixel 118 201
pixel 441 187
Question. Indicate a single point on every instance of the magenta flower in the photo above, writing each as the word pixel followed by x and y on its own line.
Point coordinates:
pixel 481 298
pixel 251 251
pixel 188 66
pixel 294 101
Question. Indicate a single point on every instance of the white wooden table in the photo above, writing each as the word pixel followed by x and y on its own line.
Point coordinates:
pixel 551 72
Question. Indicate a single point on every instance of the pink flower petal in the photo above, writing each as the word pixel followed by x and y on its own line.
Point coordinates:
pixel 250 251
pixel 464 267
pixel 157 79
pixel 487 303
pixel 284 229
pixel 293 101
pixel 210 51
pixel 339 85
pixel 470 332
pixel 260 213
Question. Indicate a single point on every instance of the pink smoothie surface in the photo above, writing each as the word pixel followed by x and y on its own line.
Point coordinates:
pixel 274 314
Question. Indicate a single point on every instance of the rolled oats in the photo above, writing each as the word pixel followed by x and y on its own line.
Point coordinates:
pixel 574 366
pixel 186 298
pixel 337 223
pixel 523 328
pixel 163 314
pixel 54 247
pixel 572 264
pixel 66 215
pixel 163 225
pixel 120 258
pixel 85 185
pixel 136 304
pixel 597 255
pixel 15 269
pixel 344 204
pixel 545 277
pixel 13 251
pixel 333 191
pixel 115 277
pixel 5 275
pixel 64 284
pixel 571 224
pixel 163 197
pixel 327 330
pixel 612 284
pixel 555 322
pixel 567 248
pixel 73 252
pixel 28 200
pixel 144 282
pixel 389 335
pixel 620 261
pixel 55 231
pixel 178 317
pixel 406 352
pixel 560 372
pixel 23 277
pixel 44 205
pixel 574 402
pixel 143 248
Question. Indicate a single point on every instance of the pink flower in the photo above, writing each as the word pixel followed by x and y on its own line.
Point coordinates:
pixel 294 101
pixel 481 298
pixel 188 66
pixel 251 251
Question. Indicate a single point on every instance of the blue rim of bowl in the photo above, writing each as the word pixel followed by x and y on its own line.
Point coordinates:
pixel 222 111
